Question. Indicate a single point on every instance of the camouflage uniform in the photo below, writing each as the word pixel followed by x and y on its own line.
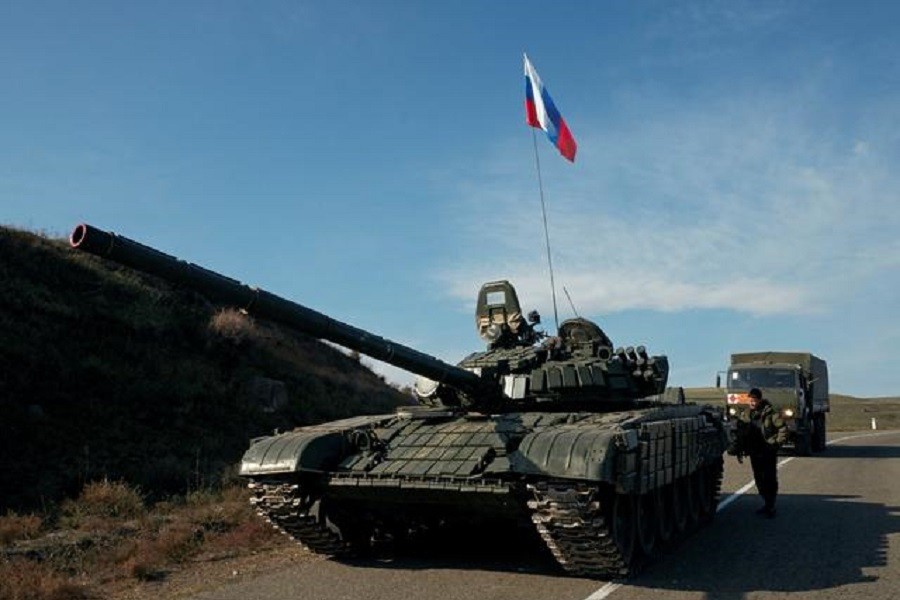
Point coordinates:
pixel 764 433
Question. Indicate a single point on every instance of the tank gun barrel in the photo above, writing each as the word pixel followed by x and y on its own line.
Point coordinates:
pixel 221 289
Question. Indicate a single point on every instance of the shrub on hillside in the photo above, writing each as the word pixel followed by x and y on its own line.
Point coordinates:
pixel 233 325
pixel 15 527
pixel 106 500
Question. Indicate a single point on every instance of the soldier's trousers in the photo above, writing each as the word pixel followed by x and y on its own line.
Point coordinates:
pixel 765 474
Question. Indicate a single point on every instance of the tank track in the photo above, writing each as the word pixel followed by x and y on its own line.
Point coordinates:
pixel 284 506
pixel 568 517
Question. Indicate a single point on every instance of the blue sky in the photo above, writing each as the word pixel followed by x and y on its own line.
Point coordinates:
pixel 736 184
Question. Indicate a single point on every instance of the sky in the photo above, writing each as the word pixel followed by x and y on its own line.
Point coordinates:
pixel 735 188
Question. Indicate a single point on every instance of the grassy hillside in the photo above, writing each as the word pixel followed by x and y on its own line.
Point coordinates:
pixel 107 373
pixel 848 413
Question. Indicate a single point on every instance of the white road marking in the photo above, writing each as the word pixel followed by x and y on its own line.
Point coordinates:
pixel 605 591
pixel 612 586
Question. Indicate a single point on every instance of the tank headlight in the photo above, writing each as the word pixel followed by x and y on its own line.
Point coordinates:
pixel 788 412
pixel 424 387
pixel 732 411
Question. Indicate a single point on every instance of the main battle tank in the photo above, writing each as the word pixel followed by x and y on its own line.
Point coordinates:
pixel 566 434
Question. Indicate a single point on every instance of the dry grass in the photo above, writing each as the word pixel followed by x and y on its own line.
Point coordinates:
pixel 172 545
pixel 15 527
pixel 855 414
pixel 108 535
pixel 29 580
pixel 233 325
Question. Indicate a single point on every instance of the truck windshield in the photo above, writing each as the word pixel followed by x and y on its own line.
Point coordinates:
pixel 744 379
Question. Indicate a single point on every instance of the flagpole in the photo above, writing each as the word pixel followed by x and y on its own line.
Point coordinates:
pixel 537 162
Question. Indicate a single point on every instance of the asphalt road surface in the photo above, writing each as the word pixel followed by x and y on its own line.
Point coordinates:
pixel 837 535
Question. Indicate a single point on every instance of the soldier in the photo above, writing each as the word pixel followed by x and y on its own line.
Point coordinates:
pixel 759 434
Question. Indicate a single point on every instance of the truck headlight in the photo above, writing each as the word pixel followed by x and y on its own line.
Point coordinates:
pixel 788 412
pixel 732 411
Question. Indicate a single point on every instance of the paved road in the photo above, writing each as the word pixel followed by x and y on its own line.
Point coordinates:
pixel 837 535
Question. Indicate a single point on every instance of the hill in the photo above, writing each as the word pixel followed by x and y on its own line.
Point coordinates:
pixel 106 373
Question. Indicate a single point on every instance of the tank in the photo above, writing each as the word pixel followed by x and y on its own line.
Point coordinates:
pixel 565 433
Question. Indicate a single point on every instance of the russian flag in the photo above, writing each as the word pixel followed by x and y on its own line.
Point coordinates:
pixel 541 112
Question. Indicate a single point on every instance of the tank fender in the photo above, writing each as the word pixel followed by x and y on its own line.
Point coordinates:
pixel 316 448
pixel 588 453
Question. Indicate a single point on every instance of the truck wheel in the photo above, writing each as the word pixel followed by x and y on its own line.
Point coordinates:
pixel 815 433
pixel 821 432
pixel 803 442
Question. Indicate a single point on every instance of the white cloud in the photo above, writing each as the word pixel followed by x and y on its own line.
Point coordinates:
pixel 738 206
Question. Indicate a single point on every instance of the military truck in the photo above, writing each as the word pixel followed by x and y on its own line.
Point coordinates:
pixel 565 434
pixel 796 383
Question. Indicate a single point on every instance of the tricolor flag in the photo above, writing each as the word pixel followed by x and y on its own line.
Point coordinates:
pixel 541 112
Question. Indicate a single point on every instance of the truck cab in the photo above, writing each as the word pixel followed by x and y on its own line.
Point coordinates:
pixel 796 384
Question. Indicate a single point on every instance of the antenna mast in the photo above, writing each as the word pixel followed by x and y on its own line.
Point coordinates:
pixel 572 304
pixel 537 163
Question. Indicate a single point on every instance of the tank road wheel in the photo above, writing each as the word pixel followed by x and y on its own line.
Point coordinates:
pixel 692 502
pixel 688 496
pixel 624 527
pixel 679 505
pixel 646 522
pixel 713 474
pixel 298 513
pixel 354 534
pixel 665 519
pixel 703 487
